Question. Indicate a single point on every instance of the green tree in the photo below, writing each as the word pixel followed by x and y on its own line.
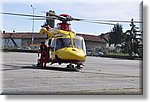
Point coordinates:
pixel 133 41
pixel 116 35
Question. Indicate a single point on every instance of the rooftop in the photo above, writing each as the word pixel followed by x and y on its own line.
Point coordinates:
pixel 27 35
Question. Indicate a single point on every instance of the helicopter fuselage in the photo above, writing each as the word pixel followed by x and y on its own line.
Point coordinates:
pixel 65 46
pixel 62 50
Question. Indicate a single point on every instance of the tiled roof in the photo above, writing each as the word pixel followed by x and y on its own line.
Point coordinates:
pixel 24 35
pixel 27 35
pixel 94 38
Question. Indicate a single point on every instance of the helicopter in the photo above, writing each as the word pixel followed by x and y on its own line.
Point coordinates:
pixel 64 46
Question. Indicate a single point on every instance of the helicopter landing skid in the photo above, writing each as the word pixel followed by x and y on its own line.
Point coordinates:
pixel 71 67
pixel 78 66
pixel 37 66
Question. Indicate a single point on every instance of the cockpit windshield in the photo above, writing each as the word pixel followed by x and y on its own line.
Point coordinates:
pixel 65 42
pixel 62 42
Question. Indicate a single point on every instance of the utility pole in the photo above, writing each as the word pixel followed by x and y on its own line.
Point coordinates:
pixel 33 24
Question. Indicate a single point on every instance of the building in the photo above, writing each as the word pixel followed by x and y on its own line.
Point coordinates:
pixel 23 39
pixel 93 42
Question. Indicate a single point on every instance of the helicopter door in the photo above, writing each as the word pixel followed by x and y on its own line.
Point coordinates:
pixel 84 46
pixel 80 43
pixel 53 46
pixel 48 44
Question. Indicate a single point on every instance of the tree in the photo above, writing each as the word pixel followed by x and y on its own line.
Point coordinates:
pixel 116 35
pixel 133 41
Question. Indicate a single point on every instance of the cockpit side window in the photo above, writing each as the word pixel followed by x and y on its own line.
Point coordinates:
pixel 59 44
pixel 77 43
pixel 80 43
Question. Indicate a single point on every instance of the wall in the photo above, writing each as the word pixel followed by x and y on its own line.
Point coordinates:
pixel 7 43
pixel 27 42
pixel 92 45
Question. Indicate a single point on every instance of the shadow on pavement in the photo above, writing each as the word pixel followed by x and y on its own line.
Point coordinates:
pixel 16 67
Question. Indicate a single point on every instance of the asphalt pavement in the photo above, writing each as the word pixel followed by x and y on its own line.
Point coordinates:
pixel 104 76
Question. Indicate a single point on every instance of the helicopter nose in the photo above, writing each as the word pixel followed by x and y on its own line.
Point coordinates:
pixel 72 54
pixel 77 54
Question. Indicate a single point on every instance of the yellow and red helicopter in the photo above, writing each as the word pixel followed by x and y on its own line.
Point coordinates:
pixel 63 43
pixel 65 46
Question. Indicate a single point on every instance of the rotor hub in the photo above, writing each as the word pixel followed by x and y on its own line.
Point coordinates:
pixel 67 17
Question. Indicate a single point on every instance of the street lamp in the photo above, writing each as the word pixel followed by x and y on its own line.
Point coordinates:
pixel 33 24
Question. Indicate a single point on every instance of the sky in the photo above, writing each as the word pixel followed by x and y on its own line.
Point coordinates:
pixel 87 9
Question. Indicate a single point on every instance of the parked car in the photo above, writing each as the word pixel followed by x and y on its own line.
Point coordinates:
pixel 98 53
pixel 35 47
pixel 88 52
pixel 25 48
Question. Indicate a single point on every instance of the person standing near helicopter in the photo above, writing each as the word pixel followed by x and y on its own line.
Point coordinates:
pixel 44 55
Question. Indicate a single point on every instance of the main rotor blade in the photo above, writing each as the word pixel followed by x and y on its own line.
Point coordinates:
pixel 99 22
pixel 92 21
pixel 119 21
pixel 104 23
pixel 36 17
pixel 78 19
pixel 54 16
pixel 125 21
pixel 59 17
pixel 19 14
